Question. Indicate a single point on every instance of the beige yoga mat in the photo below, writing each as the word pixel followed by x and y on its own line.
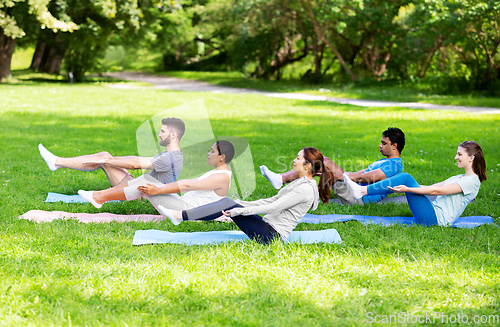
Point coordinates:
pixel 49 216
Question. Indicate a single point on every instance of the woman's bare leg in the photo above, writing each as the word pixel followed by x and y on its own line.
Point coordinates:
pixel 111 194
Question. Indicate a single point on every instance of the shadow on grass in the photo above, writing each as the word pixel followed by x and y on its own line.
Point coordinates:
pixel 29 77
pixel 92 273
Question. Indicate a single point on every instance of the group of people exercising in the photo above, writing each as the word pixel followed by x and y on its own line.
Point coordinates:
pixel 204 197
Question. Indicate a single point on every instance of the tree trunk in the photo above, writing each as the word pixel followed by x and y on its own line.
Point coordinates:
pixel 53 54
pixel 321 36
pixel 38 55
pixel 277 64
pixel 7 46
pixel 317 58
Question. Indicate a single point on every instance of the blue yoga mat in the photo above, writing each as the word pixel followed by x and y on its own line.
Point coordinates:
pixel 462 222
pixel 202 238
pixel 57 197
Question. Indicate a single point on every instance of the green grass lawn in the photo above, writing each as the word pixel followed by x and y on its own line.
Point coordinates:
pixel 72 274
pixel 376 91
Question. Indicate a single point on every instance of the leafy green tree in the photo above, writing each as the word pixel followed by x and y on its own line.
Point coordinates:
pixel 456 40
pixel 327 16
pixel 16 13
pixel 97 21
pixel 479 43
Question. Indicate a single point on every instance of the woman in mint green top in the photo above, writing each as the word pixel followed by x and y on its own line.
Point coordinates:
pixel 454 194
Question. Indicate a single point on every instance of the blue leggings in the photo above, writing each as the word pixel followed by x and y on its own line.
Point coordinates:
pixel 420 205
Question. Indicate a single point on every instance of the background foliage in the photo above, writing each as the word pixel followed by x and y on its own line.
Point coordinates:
pixel 455 44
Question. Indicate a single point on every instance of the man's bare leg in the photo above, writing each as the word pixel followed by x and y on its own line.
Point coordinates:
pixel 115 175
pixel 90 162
pixel 334 168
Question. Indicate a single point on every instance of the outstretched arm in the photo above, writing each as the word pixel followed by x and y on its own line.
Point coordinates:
pixel 300 194
pixel 128 162
pixel 212 183
pixel 436 189
pixel 369 177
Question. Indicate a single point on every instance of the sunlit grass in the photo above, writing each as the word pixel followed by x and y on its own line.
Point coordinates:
pixel 68 273
pixel 21 58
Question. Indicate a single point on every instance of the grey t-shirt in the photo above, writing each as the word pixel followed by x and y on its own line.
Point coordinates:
pixel 167 166
pixel 449 207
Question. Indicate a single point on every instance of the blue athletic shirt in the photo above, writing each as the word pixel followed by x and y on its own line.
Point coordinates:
pixel 390 167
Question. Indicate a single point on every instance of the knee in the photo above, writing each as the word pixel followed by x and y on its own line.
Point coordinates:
pixel 327 162
pixel 227 202
pixel 104 155
pixel 407 176
pixel 408 179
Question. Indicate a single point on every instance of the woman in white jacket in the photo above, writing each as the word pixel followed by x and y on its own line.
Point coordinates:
pixel 282 212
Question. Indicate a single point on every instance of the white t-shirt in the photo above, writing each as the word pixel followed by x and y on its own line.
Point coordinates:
pixel 199 198
pixel 449 207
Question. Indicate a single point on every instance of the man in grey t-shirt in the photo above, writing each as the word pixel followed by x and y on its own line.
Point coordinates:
pixel 165 167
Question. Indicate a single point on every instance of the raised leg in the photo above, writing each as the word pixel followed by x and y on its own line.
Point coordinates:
pixel 291 175
pixel 90 162
pixel 277 180
pixel 125 191
pixel 335 169
pixel 209 211
pixel 253 225
pixel 420 205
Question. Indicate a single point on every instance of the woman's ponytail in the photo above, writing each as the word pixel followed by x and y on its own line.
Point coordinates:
pixel 479 164
pixel 315 158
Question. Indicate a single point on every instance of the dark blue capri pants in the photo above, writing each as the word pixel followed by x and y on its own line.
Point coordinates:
pixel 252 225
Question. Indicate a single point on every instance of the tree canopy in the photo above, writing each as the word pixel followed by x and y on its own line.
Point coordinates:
pixel 345 40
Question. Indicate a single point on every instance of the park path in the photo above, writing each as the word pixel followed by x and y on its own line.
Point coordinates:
pixel 177 84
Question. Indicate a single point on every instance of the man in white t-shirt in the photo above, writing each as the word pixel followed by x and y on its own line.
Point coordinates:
pixel 165 167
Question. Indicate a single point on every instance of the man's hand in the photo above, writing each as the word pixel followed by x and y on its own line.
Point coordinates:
pixel 149 189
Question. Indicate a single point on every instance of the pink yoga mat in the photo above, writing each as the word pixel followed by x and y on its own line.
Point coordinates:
pixel 49 216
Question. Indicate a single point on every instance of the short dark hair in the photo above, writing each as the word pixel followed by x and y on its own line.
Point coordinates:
pixel 225 148
pixel 397 136
pixel 176 124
